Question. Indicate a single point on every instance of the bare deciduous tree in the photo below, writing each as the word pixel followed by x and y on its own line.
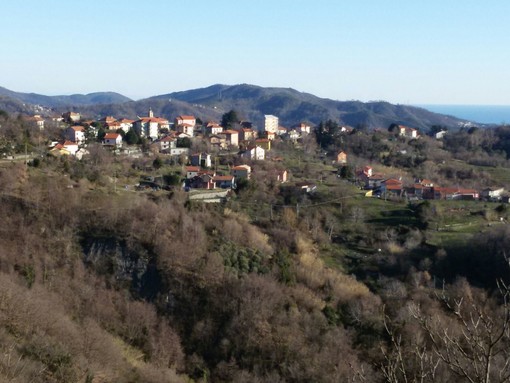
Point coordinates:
pixel 474 340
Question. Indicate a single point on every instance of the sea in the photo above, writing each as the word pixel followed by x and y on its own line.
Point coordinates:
pixel 483 114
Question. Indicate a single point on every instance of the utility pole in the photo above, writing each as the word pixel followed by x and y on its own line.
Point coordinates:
pixel 26 158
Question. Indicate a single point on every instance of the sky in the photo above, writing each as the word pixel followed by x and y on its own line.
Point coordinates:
pixel 407 52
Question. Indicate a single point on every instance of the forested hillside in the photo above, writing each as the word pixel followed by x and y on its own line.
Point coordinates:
pixel 103 282
pixel 65 101
pixel 250 101
pixel 293 107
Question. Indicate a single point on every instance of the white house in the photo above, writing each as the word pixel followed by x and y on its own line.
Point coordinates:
pixel 281 131
pixel 68 148
pixel 492 193
pixel 179 151
pixel 213 128
pixel 165 144
pixel 126 124
pixel 112 139
pixel 76 134
pixel 241 171
pixel 201 159
pixel 186 128
pixel 254 153
pixel 71 147
pixel 407 132
pixel 231 137
pixel 181 120
pixel 304 128
pixel 439 135
pixel 192 171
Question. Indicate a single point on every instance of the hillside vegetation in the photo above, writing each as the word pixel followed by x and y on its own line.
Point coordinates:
pixel 100 282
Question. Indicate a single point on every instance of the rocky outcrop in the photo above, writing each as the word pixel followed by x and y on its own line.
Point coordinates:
pixel 125 264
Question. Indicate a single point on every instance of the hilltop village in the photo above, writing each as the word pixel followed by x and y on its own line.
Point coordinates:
pixel 201 146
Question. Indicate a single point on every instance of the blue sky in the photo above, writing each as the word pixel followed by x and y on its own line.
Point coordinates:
pixel 410 52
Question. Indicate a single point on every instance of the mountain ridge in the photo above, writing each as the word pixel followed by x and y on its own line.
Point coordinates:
pixel 65 100
pixel 251 102
pixel 293 106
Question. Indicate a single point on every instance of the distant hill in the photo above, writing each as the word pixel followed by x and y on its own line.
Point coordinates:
pixel 12 105
pixel 160 107
pixel 249 101
pixel 61 101
pixel 292 107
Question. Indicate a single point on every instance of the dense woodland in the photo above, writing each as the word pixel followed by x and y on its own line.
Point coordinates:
pixel 99 283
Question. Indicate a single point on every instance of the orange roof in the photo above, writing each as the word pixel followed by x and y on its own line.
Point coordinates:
pixel 230 131
pixel 241 167
pixel 192 168
pixel 78 128
pixel 185 117
pixel 154 119
pixel 69 143
pixel 111 136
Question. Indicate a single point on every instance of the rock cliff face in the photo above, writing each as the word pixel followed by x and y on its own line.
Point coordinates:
pixel 129 265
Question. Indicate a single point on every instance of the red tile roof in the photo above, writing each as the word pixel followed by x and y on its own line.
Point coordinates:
pixel 242 167
pixel 111 136
pixel 154 119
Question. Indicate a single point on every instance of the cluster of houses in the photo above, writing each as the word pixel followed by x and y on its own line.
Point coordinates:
pixel 199 178
pixel 380 185
pixel 164 135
